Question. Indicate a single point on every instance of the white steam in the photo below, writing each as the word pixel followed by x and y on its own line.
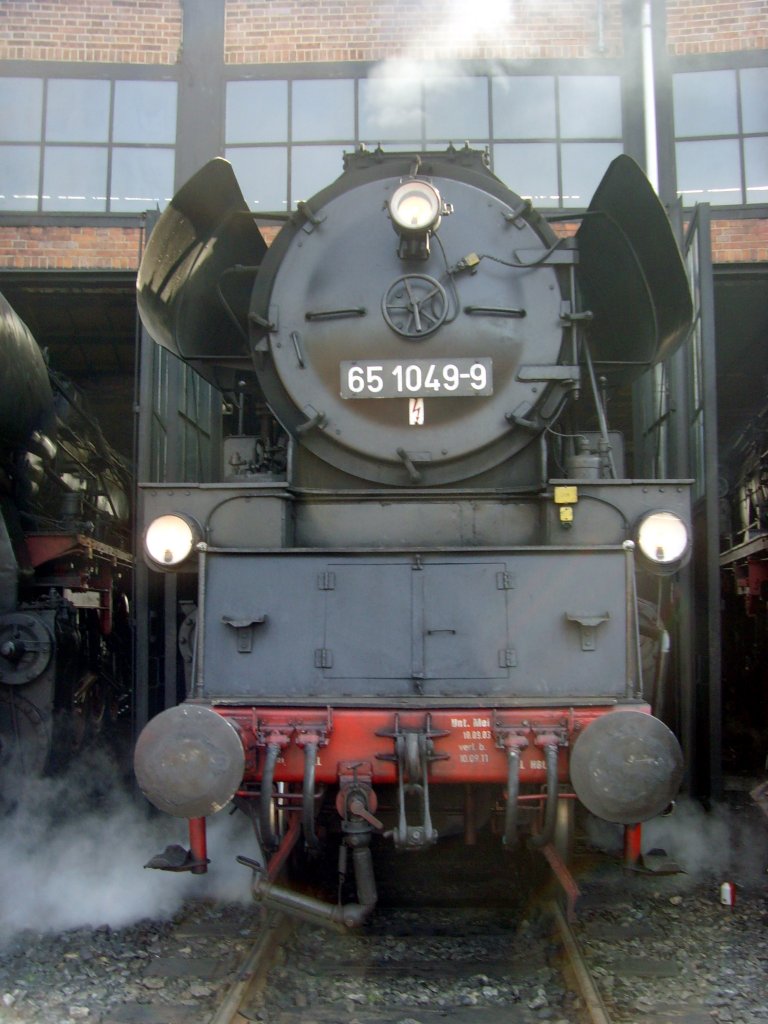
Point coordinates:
pixel 482 18
pixel 72 851
pixel 391 101
pixel 725 843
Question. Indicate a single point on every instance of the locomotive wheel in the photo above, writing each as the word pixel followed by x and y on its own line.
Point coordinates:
pixel 24 734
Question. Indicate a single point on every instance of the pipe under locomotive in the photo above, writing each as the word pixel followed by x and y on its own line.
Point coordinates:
pixel 427 592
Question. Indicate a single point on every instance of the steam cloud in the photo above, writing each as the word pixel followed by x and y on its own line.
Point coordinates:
pixel 391 105
pixel 722 843
pixel 72 850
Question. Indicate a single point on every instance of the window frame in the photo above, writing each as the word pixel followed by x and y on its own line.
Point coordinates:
pixel 113 74
pixel 737 62
pixel 627 141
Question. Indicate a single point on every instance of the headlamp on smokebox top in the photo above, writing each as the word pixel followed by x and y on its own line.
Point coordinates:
pixel 170 540
pixel 416 209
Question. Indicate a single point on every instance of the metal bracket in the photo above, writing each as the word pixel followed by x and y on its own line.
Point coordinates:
pixel 505 581
pixel 323 657
pixel 549 736
pixel 244 630
pixel 315 420
pixel 326 581
pixel 561 374
pixel 588 625
pixel 414 752
pixel 510 736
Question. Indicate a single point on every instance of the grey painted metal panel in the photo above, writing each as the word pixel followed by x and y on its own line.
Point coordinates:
pixel 438 522
pixel 515 623
pixel 256 516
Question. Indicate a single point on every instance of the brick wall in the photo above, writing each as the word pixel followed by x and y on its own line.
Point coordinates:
pixel 120 31
pixel 716 26
pixel 279 31
pixel 69 248
pixel 284 31
pixel 739 241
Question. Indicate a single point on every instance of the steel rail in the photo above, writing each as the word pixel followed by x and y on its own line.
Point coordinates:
pixel 589 993
pixel 253 971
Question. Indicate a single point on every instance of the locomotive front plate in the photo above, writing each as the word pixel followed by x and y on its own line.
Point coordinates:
pixel 416 378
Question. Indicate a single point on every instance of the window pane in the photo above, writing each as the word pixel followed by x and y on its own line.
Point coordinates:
pixel 142 179
pixel 708 172
pixel 756 168
pixel 78 110
pixel 21 106
pixel 263 176
pixel 754 99
pixel 75 178
pixel 19 168
pixel 524 108
pixel 584 164
pixel 323 110
pixel 705 103
pixel 145 112
pixel 312 168
pixel 390 108
pixel 456 109
pixel 257 112
pixel 590 106
pixel 530 169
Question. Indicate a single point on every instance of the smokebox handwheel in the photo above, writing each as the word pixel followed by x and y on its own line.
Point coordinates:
pixel 415 305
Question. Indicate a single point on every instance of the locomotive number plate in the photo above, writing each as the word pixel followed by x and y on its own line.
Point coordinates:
pixel 417 378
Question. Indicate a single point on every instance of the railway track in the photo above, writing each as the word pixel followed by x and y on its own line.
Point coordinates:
pixel 478 944
pixel 418 965
pixel 487 949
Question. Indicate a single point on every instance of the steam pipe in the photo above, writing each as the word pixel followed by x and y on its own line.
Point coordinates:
pixel 649 98
pixel 601 47
pixel 657 694
pixel 634 667
pixel 268 837
pixel 513 790
pixel 600 409
pixel 365 880
pixel 199 679
pixel 308 796
pixel 338 916
pixel 335 915
pixel 545 837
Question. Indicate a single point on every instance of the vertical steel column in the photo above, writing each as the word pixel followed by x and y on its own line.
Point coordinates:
pixel 142 442
pixel 199 133
pixel 707 510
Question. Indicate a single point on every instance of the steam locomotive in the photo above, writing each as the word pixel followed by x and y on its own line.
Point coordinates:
pixel 65 564
pixel 743 565
pixel 428 593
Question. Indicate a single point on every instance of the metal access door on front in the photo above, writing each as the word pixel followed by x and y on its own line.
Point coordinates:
pixel 423 622
pixel 533 623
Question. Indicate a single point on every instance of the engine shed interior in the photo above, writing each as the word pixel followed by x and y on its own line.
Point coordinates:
pixel 588 102
pixel 88 323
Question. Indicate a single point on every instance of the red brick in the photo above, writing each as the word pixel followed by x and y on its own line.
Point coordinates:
pixel 123 31
pixel 711 26
pixel 370 30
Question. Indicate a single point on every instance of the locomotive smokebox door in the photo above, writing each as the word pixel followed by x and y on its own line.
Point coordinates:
pixel 406 362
